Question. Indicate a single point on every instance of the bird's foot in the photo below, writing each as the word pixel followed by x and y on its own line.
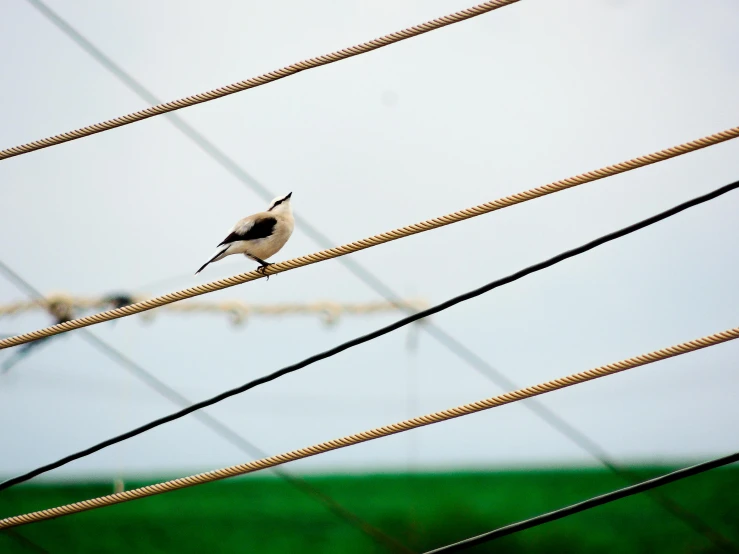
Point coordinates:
pixel 263 269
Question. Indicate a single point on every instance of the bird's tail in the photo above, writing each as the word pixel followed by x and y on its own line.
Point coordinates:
pixel 219 255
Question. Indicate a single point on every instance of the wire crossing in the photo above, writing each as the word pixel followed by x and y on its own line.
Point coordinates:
pixel 650 484
pixel 270 77
pixel 437 333
pixel 373 335
pixel 375 240
pixel 217 426
pixel 372 434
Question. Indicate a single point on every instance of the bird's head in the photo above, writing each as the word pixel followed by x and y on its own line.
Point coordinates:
pixel 281 204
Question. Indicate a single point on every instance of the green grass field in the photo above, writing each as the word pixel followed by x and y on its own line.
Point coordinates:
pixel 423 511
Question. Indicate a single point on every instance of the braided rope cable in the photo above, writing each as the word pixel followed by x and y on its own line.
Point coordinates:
pixel 375 240
pixel 240 86
pixel 407 425
pixel 237 310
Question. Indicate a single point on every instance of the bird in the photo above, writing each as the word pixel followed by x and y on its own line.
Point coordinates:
pixel 119 300
pixel 258 236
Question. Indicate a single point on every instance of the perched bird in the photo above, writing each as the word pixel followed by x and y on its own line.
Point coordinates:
pixel 259 236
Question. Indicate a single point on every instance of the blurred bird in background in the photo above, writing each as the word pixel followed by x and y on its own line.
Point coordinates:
pixel 61 312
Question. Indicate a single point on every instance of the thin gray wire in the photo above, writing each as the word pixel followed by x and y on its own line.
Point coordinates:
pixel 375 283
pixel 25 541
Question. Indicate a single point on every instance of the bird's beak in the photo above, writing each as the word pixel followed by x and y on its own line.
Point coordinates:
pixel 288 196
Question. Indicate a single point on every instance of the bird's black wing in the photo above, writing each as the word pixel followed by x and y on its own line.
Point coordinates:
pixel 261 229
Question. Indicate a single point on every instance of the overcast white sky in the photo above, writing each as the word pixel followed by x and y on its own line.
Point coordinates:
pixel 507 101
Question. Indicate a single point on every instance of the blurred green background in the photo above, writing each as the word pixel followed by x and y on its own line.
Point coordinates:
pixel 423 511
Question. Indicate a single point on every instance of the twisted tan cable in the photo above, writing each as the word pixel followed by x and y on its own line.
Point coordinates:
pixel 407 425
pixel 382 238
pixel 326 59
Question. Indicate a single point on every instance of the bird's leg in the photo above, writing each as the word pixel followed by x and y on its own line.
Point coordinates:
pixel 262 265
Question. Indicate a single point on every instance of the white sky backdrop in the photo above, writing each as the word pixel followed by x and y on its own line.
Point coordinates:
pixel 510 100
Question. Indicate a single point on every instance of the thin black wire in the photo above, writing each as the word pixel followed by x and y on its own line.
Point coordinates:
pixel 218 427
pixel 444 338
pixel 376 334
pixel 589 504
